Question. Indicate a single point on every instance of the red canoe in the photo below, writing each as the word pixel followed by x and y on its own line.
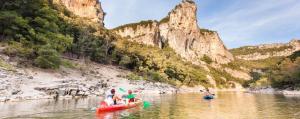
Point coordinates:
pixel 103 108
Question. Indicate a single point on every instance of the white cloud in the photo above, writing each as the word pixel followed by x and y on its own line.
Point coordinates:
pixel 251 22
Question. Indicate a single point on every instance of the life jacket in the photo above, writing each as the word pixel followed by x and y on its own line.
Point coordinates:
pixel 131 99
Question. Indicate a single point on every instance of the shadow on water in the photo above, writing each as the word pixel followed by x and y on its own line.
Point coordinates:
pixel 227 105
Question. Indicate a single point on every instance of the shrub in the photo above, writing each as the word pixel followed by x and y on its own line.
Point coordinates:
pixel 173 73
pixel 133 76
pixel 295 55
pixel 48 58
pixel 6 65
pixel 32 25
pixel 207 59
pixel 219 77
pixel 155 76
pixel 18 49
pixel 164 20
pixel 67 63
pixel 125 61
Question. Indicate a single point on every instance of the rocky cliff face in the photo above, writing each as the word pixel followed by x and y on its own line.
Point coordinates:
pixel 181 32
pixel 90 9
pixel 267 50
pixel 146 32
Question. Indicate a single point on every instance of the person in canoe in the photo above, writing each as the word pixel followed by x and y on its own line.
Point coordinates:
pixel 130 96
pixel 208 94
pixel 112 99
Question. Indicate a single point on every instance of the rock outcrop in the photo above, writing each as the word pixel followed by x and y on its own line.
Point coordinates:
pixel 180 31
pixel 146 32
pixel 89 9
pixel 268 50
pixel 238 74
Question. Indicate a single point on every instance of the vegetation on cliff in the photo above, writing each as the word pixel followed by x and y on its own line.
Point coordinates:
pixel 203 31
pixel 282 74
pixel 254 64
pixel 157 64
pixel 38 32
pixel 246 50
pixel 286 75
pixel 135 25
pixel 153 63
pixel 164 20
pixel 34 30
pixel 206 59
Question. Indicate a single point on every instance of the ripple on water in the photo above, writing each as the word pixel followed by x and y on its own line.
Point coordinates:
pixel 227 105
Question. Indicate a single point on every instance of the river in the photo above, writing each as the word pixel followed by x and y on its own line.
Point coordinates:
pixel 227 105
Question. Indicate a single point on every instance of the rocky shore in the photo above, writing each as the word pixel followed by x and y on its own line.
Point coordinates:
pixel 17 84
pixel 269 90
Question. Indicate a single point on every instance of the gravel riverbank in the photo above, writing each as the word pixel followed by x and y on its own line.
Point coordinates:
pixel 91 80
pixel 269 90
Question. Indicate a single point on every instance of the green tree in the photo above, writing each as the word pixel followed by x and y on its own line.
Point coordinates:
pixel 48 58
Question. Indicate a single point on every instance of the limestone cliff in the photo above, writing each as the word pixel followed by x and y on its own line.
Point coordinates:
pixel 180 31
pixel 146 32
pixel 90 9
pixel 266 50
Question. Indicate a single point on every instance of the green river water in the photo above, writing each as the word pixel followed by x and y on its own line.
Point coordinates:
pixel 227 105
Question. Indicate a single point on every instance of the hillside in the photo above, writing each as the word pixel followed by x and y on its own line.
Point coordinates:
pixel 265 51
pixel 45 33
pixel 179 30
pixel 282 74
pixel 38 32
pixel 271 65
pixel 67 36
pixel 194 61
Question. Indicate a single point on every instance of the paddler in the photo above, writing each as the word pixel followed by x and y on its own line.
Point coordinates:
pixel 208 93
pixel 131 97
pixel 113 97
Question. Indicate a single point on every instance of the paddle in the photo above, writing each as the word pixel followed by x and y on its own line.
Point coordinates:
pixel 146 104
pixel 122 90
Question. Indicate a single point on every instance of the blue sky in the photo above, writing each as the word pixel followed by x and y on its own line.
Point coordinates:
pixel 238 22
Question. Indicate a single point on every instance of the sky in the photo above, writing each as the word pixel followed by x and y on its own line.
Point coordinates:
pixel 238 22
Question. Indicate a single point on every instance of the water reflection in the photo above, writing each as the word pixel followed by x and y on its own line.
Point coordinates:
pixel 227 105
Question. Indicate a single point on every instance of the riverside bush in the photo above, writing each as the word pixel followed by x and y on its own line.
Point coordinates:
pixel 31 25
pixel 48 58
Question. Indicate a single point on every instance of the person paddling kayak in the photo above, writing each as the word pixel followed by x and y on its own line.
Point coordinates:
pixel 208 94
pixel 112 97
pixel 131 97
